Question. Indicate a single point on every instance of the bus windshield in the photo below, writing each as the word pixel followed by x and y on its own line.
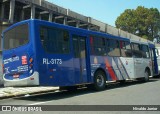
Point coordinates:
pixel 16 37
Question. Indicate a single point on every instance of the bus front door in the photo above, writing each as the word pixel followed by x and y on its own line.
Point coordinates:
pixel 154 61
pixel 79 50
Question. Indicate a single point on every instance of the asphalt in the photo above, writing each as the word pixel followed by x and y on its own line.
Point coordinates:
pixel 129 93
pixel 8 92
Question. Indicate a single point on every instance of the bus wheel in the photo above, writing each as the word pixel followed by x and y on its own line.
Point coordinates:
pixel 146 76
pixel 99 81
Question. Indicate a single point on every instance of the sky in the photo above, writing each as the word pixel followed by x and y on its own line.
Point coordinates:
pixel 106 11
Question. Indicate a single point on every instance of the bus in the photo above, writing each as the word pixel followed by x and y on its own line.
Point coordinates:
pixel 41 53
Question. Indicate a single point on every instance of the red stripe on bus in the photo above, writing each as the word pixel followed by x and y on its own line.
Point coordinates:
pixel 110 70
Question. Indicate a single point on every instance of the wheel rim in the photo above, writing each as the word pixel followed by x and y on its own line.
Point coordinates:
pixel 100 80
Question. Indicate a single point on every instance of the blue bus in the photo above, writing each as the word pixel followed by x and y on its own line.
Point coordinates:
pixel 41 53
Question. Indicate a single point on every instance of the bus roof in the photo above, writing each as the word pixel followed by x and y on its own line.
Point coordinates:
pixel 69 28
pixel 83 30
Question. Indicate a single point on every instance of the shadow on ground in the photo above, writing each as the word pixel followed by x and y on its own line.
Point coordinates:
pixel 80 91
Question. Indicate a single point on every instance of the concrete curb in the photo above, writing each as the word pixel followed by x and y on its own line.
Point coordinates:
pixel 10 92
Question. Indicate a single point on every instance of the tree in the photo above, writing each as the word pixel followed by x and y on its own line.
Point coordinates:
pixel 128 24
pixel 142 21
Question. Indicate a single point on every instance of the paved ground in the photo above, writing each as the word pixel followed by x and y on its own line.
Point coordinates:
pixel 131 93
pixel 9 92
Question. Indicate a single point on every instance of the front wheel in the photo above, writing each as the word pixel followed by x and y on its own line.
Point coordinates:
pixel 99 81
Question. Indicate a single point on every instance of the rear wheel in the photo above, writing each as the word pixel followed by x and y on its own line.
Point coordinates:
pixel 146 76
pixel 99 81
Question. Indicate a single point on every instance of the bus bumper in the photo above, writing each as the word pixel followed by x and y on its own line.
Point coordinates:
pixel 33 80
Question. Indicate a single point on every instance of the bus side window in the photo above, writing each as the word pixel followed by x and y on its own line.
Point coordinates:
pixel 128 50
pixel 145 51
pixel 113 47
pixel 98 45
pixel 123 48
pixel 55 41
pixel 136 50
pixel 64 42
pixel 43 36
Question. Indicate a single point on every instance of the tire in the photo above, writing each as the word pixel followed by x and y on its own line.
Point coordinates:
pixel 146 76
pixel 99 81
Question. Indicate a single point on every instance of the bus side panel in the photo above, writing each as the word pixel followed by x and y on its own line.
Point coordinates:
pixel 97 62
pixel 54 69
pixel 147 63
pixel 128 67
pixel 115 67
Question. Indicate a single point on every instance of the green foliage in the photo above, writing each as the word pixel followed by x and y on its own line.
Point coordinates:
pixel 142 21
pixel 145 37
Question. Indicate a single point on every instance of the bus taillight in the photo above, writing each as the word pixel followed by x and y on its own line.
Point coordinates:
pixel 31 60
pixel 31 65
pixel 24 60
